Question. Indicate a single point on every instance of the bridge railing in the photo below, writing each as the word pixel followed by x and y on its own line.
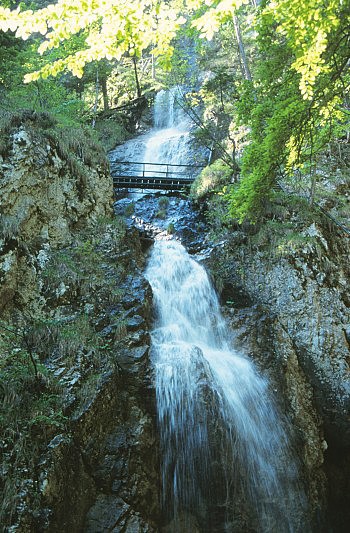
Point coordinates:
pixel 138 169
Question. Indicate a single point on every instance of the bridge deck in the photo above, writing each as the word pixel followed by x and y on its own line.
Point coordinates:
pixel 163 176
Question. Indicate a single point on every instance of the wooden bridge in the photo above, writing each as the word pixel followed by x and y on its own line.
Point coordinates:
pixel 160 176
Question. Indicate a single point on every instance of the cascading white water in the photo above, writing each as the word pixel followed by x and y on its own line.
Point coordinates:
pixel 202 384
pixel 223 443
pixel 167 114
pixel 169 142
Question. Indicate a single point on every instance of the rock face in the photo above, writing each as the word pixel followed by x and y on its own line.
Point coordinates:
pixel 104 476
pixel 159 215
pixel 44 200
pixel 287 303
pixel 306 292
pixel 66 261
pixel 45 195
pixel 290 309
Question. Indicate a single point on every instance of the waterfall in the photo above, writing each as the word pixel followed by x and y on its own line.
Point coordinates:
pixel 167 113
pixel 219 427
pixel 170 139
pixel 227 463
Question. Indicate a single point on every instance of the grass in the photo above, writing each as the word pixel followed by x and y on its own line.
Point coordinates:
pixel 111 133
pixel 30 415
pixel 66 333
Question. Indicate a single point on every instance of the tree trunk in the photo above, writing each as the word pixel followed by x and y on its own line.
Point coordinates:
pixel 153 67
pixel 138 88
pixel 244 62
pixel 104 93
pixel 97 90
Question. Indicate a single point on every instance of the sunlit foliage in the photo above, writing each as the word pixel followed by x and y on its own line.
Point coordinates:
pixel 112 29
pixel 284 82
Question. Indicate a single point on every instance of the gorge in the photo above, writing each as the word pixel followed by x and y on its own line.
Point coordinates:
pixel 176 419
pixel 174 360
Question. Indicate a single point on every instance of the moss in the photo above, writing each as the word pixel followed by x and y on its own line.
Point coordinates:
pixel 161 214
pixel 212 178
pixel 171 228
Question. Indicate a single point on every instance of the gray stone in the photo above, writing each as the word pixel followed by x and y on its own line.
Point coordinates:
pixel 134 323
pixel 105 514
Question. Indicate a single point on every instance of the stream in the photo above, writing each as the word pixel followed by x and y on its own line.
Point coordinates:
pixel 226 452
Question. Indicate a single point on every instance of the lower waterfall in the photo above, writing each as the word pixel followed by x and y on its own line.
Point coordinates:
pixel 224 446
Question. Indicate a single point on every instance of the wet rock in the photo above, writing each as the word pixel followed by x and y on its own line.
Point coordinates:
pixel 177 217
pixel 234 296
pixel 123 206
pixel 313 315
pixel 134 323
pixel 138 337
pixel 295 331
pixel 131 358
pixel 106 514
pixel 63 467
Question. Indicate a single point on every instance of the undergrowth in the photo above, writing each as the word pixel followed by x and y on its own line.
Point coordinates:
pixel 64 337
pixel 30 415
pixel 78 146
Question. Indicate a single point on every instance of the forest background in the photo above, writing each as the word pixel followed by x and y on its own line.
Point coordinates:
pixel 267 83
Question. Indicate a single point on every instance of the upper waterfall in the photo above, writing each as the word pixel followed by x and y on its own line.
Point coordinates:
pixel 167 111
pixel 170 142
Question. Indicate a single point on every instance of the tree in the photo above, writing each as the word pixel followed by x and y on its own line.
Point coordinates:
pixel 294 89
pixel 300 85
pixel 112 29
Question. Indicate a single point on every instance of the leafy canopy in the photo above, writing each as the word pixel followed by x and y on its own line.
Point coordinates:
pixel 112 29
pixel 308 27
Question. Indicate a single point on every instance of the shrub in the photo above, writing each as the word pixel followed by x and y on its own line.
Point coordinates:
pixel 171 228
pixel 163 202
pixel 212 179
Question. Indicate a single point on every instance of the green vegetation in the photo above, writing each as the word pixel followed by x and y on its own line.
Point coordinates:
pixel 294 100
pixel 54 346
pixel 212 179
pixel 163 202
pixel 171 228
pixel 130 209
pixel 274 98
pixel 161 213
pixel 30 411
pixel 272 108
